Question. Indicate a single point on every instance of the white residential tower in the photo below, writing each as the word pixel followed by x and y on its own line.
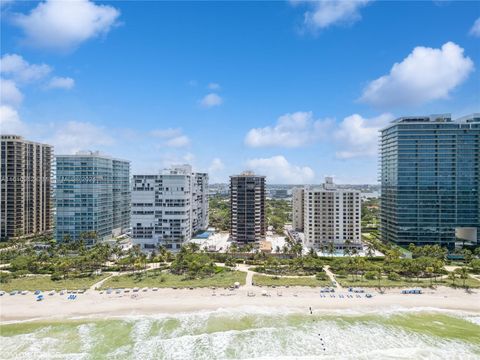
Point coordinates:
pixel 169 208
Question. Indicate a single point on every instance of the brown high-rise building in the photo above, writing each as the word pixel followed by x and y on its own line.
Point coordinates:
pixel 247 205
pixel 26 187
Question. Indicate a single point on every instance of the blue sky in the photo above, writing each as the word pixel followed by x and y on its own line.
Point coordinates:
pixel 293 90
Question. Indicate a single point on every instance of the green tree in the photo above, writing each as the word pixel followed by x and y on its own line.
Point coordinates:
pixel 463 274
pixel 331 248
pixel 452 276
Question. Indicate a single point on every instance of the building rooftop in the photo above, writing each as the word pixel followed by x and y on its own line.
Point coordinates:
pixel 329 185
pixel 89 153
pixel 21 138
pixel 248 173
pixel 435 118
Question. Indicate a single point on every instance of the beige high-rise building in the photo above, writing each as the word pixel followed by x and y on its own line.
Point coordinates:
pixel 327 214
pixel 298 208
pixel 247 205
pixel 26 187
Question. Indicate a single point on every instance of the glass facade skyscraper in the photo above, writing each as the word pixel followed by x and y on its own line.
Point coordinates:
pixel 92 195
pixel 430 180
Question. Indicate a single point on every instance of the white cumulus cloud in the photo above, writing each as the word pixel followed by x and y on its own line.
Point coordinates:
pixel 74 136
pixel 10 122
pixel 475 30
pixel 58 82
pixel 291 130
pixel 214 86
pixel 216 165
pixel 172 137
pixel 325 13
pixel 166 133
pixel 279 170
pixel 216 171
pixel 63 25
pixel 211 100
pixel 18 68
pixel 9 93
pixel 178 141
pixel 357 136
pixel 426 74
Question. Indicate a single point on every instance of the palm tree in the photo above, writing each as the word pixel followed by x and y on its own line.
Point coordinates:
pixel 347 250
pixel 233 248
pixel 193 247
pixel 67 238
pixel 285 249
pixel 463 272
pixel 429 271
pixel 331 248
pixel 354 251
pixel 379 275
pixel 163 253
pixel 370 250
pixel 452 276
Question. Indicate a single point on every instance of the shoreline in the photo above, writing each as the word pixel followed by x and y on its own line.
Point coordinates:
pixel 93 305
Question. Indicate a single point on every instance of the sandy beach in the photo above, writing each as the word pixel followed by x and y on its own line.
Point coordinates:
pixel 94 304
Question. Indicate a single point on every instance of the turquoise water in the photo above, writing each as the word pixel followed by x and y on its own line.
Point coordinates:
pixel 252 333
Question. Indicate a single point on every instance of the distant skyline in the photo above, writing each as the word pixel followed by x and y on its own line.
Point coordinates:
pixel 292 90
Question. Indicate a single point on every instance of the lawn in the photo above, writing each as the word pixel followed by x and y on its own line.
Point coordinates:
pixel 43 282
pixel 263 280
pixel 167 280
pixel 384 282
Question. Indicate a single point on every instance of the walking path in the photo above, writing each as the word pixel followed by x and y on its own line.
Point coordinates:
pixel 150 266
pixel 326 268
pixel 97 285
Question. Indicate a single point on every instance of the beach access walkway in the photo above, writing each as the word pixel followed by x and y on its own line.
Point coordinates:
pixel 331 276
pixel 98 285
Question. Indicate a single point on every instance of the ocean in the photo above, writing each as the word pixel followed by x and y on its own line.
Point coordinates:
pixel 250 333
